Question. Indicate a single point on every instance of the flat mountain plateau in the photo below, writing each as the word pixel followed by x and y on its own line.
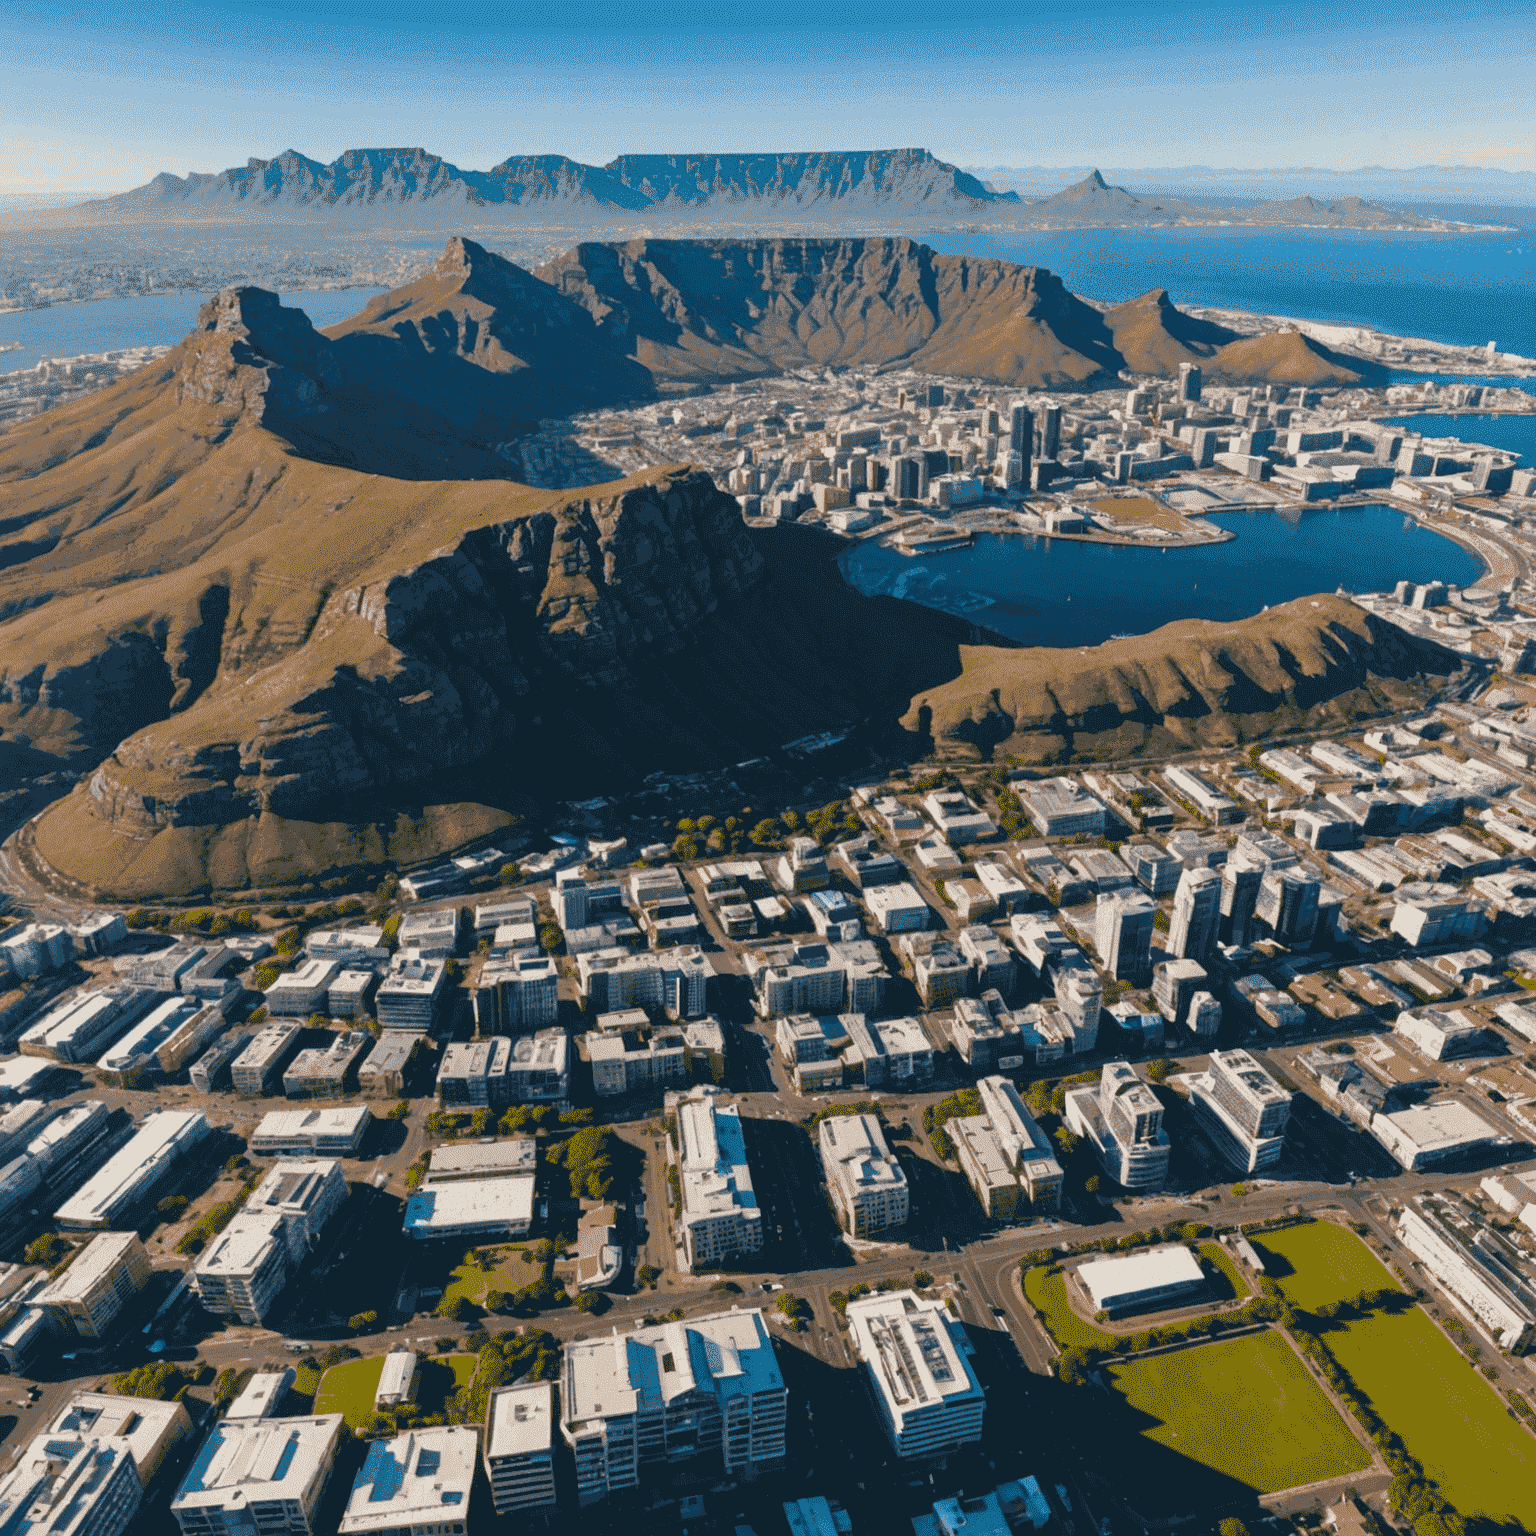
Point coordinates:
pixel 277 609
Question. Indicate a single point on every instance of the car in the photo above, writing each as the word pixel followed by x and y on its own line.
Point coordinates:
pixel 298 1346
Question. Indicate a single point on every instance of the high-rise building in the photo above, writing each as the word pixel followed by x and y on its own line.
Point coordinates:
pixel 1122 1118
pixel 1243 1109
pixel 1174 985
pixel 1288 904
pixel 517 996
pixel 720 1214
pixel 708 1386
pixel 1021 436
pixel 1050 431
pixel 1240 882
pixel 929 1400
pixel 1189 382
pixel 1196 915
pixel 1123 933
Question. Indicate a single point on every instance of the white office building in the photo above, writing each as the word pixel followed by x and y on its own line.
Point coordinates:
pixel 706 1386
pixel 1430 1135
pixel 258 1475
pixel 520 1446
pixel 917 1363
pixel 70 1485
pixel 721 1218
pixel 675 980
pixel 867 1184
pixel 897 908
pixel 334 1132
pixel 517 996
pixel 1243 1110
pixel 1122 1119
pixel 416 1484
pixel 165 1139
pixel 1477 1264
pixel 1005 1155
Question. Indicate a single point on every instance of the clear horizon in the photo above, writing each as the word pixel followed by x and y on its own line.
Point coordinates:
pixel 93 101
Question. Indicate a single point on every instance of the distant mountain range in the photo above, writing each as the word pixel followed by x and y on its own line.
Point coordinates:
pixel 870 189
pixel 381 179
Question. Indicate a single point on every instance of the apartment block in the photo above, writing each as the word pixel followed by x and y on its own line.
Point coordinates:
pixel 104 1278
pixel 1122 1119
pixel 867 1184
pixel 1243 1110
pixel 517 996
pixel 720 1217
pixel 1005 1155
pixel 520 1446
pixel 262 1475
pixel 917 1363
pixel 707 1387
pixel 675 981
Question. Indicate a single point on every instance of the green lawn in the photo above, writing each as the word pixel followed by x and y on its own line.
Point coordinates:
pixel 1448 1416
pixel 1247 1408
pixel 1319 1262
pixel 1221 1261
pixel 1048 1293
pixel 509 1271
pixel 349 1388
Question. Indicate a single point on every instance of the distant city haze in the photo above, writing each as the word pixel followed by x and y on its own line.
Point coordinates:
pixel 109 98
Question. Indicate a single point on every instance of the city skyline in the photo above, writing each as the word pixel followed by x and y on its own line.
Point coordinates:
pixel 178 89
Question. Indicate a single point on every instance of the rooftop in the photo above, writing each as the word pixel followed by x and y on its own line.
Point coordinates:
pixel 248 1461
pixel 521 1419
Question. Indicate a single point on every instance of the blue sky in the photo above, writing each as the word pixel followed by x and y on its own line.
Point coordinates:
pixel 97 97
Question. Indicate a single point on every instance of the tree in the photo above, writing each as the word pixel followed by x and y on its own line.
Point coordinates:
pixel 1158 1070
pixel 647 1274
pixel 592 1301
pixel 551 937
pixel 1232 1527
pixel 686 849
pixel 767 832
pixel 47 1250
pixel 1093 1184
pixel 495 1300
pixel 453 1307
pixel 359 1321
pixel 510 874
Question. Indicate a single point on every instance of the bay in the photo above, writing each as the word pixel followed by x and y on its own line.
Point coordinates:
pixel 146 320
pixel 1464 290
pixel 1063 592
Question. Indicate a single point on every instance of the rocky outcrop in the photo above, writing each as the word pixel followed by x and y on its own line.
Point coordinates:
pixel 457 650
pixel 257 361
pixel 1308 663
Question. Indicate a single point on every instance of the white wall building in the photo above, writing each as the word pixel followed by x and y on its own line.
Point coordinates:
pixel 707 1386
pixel 417 1484
pixel 520 1446
pixel 262 1475
pixel 867 1184
pixel 721 1218
pixel 917 1363
pixel 1243 1110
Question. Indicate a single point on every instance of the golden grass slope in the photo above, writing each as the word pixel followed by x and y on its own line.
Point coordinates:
pixel 1193 684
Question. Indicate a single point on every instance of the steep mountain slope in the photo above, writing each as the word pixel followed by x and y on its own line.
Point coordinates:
pixel 1153 336
pixel 1308 664
pixel 693 310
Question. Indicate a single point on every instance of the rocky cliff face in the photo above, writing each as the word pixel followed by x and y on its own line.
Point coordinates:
pixel 431 669
pixel 257 361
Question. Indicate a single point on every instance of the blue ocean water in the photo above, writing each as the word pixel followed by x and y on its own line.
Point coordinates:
pixel 154 319
pixel 1063 592
pixel 1464 290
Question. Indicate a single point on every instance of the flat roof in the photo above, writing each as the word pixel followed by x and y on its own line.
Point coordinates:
pixel 164 1135
pixel 912 1354
pixel 249 1461
pixel 469 1203
pixel 418 1478
pixel 1435 1127
pixel 341 1120
pixel 263 1395
pixel 1108 1281
pixel 96 1260
pixel 481 1160
pixel 522 1420
pixel 142 1422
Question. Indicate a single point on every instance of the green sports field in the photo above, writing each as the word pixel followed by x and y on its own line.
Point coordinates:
pixel 1320 1262
pixel 1450 1419
pixel 1246 1408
